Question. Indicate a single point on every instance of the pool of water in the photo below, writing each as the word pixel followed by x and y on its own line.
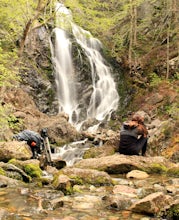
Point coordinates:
pixel 35 203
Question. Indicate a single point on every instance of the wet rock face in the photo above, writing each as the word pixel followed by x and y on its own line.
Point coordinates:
pixel 153 203
pixel 37 78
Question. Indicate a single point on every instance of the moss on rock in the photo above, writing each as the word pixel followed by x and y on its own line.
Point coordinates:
pixel 33 170
pixel 173 212
pixel 174 171
pixel 158 168
pixel 2 172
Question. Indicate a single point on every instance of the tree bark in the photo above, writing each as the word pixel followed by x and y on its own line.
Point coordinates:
pixel 130 38
pixel 39 9
pixel 168 49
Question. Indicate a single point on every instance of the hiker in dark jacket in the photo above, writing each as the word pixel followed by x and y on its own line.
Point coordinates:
pixel 133 137
pixel 33 139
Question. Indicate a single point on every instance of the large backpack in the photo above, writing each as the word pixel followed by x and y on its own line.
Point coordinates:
pixel 29 136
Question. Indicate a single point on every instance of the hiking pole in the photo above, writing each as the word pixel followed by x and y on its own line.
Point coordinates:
pixel 47 148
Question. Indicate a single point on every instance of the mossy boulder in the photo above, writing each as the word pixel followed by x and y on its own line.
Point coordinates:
pixel 87 176
pixel 158 168
pixel 174 171
pixel 33 170
pixel 63 183
pixel 101 151
pixel 119 163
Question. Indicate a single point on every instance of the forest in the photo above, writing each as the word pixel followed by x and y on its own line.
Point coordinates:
pixel 140 37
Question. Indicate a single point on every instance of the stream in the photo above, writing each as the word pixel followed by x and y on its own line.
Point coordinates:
pixel 32 202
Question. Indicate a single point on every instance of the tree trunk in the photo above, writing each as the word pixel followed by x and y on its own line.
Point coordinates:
pixel 132 36
pixel 135 32
pixel 168 49
pixel 168 7
pixel 40 8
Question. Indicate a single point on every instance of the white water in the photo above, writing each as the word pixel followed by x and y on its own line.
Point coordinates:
pixel 104 98
pixel 71 153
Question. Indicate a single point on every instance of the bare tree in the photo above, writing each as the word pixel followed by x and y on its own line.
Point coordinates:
pixel 133 35
pixel 41 5
pixel 130 37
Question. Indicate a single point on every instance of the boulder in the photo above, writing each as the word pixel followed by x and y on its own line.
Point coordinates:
pixel 14 149
pixel 119 163
pixel 137 174
pixel 63 183
pixel 87 176
pixel 14 172
pixel 125 190
pixel 152 204
pixel 60 131
pixel 117 202
pixel 8 182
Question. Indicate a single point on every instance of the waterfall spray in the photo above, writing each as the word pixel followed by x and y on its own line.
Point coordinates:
pixel 104 97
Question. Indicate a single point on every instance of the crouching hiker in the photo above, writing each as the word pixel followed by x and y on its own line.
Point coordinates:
pixel 133 137
pixel 33 139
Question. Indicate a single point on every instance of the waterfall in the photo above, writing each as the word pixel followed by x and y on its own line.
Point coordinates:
pixel 104 96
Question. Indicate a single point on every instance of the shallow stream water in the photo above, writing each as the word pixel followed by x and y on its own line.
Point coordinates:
pixel 26 203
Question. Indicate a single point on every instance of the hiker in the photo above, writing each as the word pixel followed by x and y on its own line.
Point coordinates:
pixel 33 139
pixel 133 137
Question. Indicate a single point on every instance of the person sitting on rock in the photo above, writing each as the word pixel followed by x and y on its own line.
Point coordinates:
pixel 133 137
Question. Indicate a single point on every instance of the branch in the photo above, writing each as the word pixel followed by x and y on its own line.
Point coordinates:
pixel 40 7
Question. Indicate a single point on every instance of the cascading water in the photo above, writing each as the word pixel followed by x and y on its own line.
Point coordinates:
pixel 104 97
pixel 63 66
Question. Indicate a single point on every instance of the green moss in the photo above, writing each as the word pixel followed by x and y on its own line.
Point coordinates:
pixel 91 153
pixel 158 168
pixel 173 212
pixel 12 161
pixel 15 124
pixel 15 162
pixel 174 171
pixel 2 172
pixel 77 180
pixel 76 189
pixel 33 170
pixel 100 181
pixel 66 188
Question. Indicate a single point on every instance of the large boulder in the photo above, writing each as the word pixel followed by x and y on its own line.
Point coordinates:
pixel 153 203
pixel 9 182
pixel 119 163
pixel 14 172
pixel 105 150
pixel 87 176
pixel 60 131
pixel 14 149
